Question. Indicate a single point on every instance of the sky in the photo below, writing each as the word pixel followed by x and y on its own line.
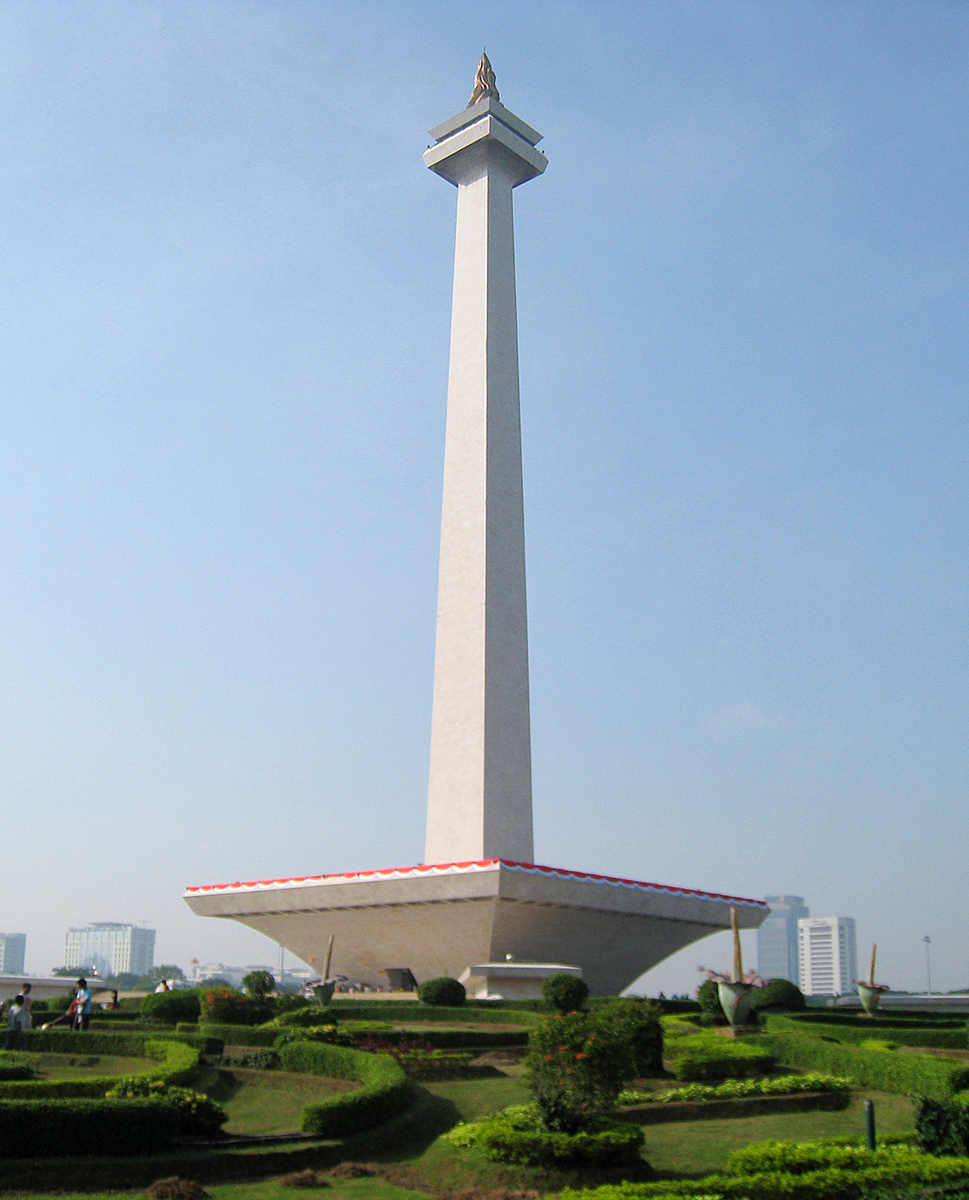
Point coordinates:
pixel 742 288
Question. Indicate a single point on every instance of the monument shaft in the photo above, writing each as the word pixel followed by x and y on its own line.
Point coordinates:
pixel 480 800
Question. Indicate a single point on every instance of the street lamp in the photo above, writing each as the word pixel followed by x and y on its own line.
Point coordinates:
pixel 928 964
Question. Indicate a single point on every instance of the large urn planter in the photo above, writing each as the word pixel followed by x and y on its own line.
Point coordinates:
pixel 869 997
pixel 735 1002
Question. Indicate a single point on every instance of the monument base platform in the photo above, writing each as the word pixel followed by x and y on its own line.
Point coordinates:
pixel 440 920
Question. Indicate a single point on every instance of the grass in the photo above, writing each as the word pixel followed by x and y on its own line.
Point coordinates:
pixel 80 1066
pixel 265 1101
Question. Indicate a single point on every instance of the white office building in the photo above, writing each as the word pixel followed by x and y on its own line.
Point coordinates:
pixel 827 959
pixel 111 948
pixel 13 946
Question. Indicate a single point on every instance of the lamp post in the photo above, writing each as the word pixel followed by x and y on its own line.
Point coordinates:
pixel 928 964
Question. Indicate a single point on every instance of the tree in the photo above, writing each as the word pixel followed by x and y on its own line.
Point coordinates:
pixel 153 977
pixel 564 993
pixel 258 983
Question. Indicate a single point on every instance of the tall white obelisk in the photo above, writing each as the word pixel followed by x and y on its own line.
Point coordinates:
pixel 480 796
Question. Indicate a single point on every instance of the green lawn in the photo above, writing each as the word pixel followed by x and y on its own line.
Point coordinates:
pixel 266 1101
pixel 80 1066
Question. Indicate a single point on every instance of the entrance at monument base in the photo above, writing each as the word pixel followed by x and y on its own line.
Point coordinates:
pixel 441 920
pixel 511 980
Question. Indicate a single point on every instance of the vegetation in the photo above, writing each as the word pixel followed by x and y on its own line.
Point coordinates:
pixel 564 993
pixel 779 994
pixel 259 984
pixel 442 992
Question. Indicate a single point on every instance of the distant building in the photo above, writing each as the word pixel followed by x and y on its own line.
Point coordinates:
pixel 112 948
pixel 777 939
pixel 826 955
pixel 13 946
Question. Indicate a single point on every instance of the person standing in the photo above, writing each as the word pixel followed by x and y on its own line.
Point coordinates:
pixel 82 999
pixel 28 1019
pixel 15 1026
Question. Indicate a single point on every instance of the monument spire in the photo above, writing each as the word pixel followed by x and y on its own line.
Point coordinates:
pixel 480 794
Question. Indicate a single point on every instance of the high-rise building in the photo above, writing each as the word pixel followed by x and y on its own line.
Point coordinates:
pixel 111 948
pixel 777 939
pixel 826 955
pixel 12 949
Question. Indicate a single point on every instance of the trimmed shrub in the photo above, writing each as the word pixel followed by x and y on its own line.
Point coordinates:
pixel 636 1024
pixel 708 998
pixel 889 1071
pixel 239 1035
pixel 15 1066
pixel 306 1014
pixel 564 993
pixel 286 1002
pixel 907 1029
pixel 328 1034
pixel 781 1085
pixel 406 1012
pixel 712 1056
pixel 442 992
pixel 385 1092
pixel 778 994
pixel 132 1045
pixel 52 1128
pixel 198 1114
pixel 850 1175
pixel 168 1008
pixel 226 1006
pixel 942 1126
pixel 516 1135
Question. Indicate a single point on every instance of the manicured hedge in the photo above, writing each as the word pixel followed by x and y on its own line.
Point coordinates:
pixel 910 1074
pixel 950 1035
pixel 177 1064
pixel 53 1128
pixel 516 1136
pixel 711 1056
pixel 130 1045
pixel 405 1012
pixel 385 1092
pixel 456 1039
pixel 806 1173
pixel 240 1035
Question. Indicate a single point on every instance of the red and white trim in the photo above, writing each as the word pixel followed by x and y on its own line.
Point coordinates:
pixel 464 868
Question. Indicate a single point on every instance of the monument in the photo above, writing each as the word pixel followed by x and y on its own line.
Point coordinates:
pixel 479 899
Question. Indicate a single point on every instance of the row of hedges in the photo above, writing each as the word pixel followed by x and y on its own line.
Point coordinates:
pixel 385 1092
pixel 34 1128
pixel 406 1012
pixel 130 1044
pixel 236 1035
pixel 948 1035
pixel 800 1171
pixel 886 1070
pixel 711 1056
pixel 177 1064
pixel 440 1039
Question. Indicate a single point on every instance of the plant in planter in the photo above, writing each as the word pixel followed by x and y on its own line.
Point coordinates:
pixel 735 989
pixel 870 992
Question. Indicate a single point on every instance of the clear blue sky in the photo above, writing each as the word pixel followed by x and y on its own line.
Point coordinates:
pixel 742 289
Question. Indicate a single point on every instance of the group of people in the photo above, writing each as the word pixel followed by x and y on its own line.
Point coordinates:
pixel 19 1016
